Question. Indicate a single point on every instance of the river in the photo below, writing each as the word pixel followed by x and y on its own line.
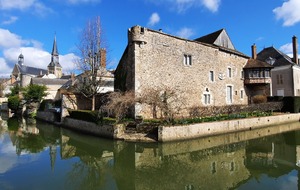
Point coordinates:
pixel 35 155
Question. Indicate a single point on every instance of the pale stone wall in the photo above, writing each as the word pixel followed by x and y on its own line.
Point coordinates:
pixel 282 81
pixel 296 79
pixel 109 131
pixel 173 133
pixel 156 60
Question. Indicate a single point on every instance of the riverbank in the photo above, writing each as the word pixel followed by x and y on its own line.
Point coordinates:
pixel 170 133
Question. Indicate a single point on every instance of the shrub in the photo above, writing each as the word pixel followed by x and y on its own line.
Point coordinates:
pixel 14 102
pixel 258 99
pixel 85 115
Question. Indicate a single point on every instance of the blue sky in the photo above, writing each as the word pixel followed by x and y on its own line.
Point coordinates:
pixel 29 27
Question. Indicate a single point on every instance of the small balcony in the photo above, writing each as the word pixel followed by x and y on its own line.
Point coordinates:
pixel 257 76
pixel 265 80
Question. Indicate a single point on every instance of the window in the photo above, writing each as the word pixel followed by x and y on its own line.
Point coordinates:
pixel 229 94
pixel 211 76
pixel 207 98
pixel 187 61
pixel 242 94
pixel 229 74
pixel 279 79
pixel 242 74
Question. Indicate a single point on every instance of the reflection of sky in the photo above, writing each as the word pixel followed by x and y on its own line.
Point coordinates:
pixel 288 181
pixel 8 157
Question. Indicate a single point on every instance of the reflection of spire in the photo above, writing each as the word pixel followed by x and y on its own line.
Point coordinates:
pixel 52 156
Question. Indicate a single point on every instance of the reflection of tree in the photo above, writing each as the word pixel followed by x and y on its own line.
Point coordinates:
pixel 87 174
pixel 30 143
pixel 13 124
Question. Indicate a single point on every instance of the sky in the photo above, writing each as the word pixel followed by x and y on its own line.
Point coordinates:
pixel 29 27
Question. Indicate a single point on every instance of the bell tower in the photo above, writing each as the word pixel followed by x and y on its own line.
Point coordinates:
pixel 54 67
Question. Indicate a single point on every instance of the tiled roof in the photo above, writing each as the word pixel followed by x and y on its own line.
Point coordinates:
pixel 31 70
pixel 210 38
pixel 254 63
pixel 279 57
pixel 47 81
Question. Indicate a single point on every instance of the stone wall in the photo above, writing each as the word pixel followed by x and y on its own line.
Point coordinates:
pixel 48 116
pixel 109 131
pixel 156 60
pixel 174 133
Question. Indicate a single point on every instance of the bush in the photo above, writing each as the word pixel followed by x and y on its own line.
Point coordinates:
pixel 14 102
pixel 90 116
pixel 85 115
pixel 258 99
pixel 291 104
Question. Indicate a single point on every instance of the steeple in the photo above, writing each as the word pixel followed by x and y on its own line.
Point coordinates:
pixel 54 67
pixel 21 59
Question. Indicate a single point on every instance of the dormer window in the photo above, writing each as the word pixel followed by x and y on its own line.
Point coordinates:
pixel 270 60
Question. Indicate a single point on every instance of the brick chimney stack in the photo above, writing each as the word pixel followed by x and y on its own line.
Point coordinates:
pixel 253 48
pixel 103 58
pixel 295 50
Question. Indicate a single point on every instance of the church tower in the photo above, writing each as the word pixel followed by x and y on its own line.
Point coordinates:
pixel 54 67
pixel 21 60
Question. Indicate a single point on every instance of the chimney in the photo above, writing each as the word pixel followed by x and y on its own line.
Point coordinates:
pixel 103 58
pixel 72 77
pixel 295 50
pixel 253 48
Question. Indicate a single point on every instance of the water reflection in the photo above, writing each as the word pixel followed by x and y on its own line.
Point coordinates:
pixel 267 158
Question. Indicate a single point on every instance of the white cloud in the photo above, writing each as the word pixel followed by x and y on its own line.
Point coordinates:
pixel 12 19
pixel 184 5
pixel 154 19
pixel 5 69
pixel 287 48
pixel 16 4
pixel 34 55
pixel 185 32
pixel 35 6
pixel 212 5
pixel 288 12
pixel 8 39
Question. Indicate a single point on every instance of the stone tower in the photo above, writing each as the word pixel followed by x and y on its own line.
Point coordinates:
pixel 54 67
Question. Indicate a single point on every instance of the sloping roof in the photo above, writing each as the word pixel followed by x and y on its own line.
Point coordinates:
pixel 219 38
pixel 27 70
pixel 280 58
pixel 47 81
pixel 254 63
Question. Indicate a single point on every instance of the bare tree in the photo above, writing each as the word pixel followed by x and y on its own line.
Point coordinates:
pixel 119 104
pixel 90 47
pixel 163 99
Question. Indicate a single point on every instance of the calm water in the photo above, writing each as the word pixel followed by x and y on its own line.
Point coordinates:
pixel 36 155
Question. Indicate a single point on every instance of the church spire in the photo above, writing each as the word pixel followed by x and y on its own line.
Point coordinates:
pixel 54 67
pixel 54 48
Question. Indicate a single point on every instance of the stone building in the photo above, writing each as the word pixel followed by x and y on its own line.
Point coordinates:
pixel 286 71
pixel 54 66
pixel 257 77
pixel 23 74
pixel 207 71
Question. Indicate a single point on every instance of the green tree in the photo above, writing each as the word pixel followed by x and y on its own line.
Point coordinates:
pixel 13 102
pixel 34 93
pixel 15 90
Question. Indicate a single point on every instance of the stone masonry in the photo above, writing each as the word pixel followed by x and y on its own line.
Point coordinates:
pixel 154 59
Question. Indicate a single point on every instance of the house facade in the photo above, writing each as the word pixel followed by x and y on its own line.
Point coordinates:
pixel 207 71
pixel 286 71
